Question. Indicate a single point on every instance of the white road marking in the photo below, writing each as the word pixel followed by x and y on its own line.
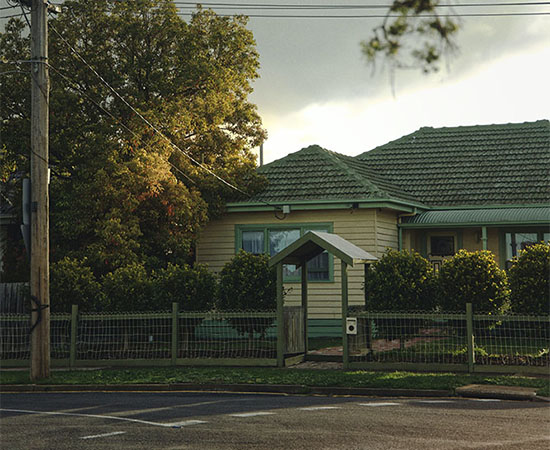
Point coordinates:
pixel 114 433
pixel 484 399
pixel 95 416
pixel 318 408
pixel 433 401
pixel 252 414
pixel 379 404
pixel 185 423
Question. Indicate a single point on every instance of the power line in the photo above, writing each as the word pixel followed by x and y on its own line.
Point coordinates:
pixel 148 123
pixel 351 6
pixel 376 16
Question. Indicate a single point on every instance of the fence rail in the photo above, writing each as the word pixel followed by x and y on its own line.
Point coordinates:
pixel 421 341
pixel 463 342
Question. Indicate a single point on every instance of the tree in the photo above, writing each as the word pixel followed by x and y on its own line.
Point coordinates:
pixel 400 281
pixel 413 35
pixel 129 184
pixel 473 277
pixel 530 281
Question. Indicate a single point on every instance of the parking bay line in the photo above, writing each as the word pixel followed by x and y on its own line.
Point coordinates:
pixel 252 414
pixel 318 408
pixel 98 416
pixel 374 404
pixel 94 436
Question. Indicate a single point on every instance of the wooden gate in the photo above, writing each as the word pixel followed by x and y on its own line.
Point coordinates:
pixel 294 330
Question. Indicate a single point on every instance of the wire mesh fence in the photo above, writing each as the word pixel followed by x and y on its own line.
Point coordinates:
pixel 512 340
pixel 428 338
pixel 409 338
pixel 146 336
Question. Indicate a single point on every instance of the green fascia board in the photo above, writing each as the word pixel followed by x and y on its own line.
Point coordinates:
pixel 472 225
pixel 397 205
pixel 334 244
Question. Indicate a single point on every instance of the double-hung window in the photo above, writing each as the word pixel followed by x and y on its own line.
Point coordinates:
pixel 271 239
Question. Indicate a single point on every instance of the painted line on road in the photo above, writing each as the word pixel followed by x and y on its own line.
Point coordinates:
pixel 94 416
pixel 94 436
pixel 185 423
pixel 485 399
pixel 433 401
pixel 318 408
pixel 379 404
pixel 252 414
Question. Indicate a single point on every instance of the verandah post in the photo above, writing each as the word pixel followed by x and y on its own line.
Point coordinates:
pixel 470 337
pixel 74 330
pixel 174 342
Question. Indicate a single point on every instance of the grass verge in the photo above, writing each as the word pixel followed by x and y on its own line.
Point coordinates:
pixel 325 378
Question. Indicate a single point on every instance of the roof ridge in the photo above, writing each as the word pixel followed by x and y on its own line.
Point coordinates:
pixel 335 157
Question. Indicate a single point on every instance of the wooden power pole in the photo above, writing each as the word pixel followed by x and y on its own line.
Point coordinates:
pixel 40 246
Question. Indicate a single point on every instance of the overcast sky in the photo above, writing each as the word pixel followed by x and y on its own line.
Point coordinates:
pixel 316 88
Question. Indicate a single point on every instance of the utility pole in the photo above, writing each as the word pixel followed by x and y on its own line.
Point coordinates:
pixel 40 246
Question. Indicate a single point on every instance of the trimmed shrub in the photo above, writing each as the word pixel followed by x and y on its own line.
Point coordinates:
pixel 128 289
pixel 247 283
pixel 400 281
pixel 73 283
pixel 473 277
pixel 193 288
pixel 529 281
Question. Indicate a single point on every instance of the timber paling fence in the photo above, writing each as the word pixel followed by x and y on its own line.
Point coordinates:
pixel 461 342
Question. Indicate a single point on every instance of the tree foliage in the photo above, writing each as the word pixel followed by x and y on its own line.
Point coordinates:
pixel 126 184
pixel 247 283
pixel 530 281
pixel 413 35
pixel 400 281
pixel 473 277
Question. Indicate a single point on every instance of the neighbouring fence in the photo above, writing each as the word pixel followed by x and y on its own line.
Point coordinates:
pixel 458 342
pixel 12 298
pixel 166 338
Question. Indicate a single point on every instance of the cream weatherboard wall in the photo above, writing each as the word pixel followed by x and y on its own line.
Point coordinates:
pixel 374 230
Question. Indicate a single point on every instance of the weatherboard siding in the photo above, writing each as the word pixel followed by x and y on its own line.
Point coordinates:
pixel 216 246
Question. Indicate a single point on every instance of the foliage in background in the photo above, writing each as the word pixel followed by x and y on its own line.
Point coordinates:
pixel 400 281
pixel 417 38
pixel 529 279
pixel 473 277
pixel 247 283
pixel 193 288
pixel 72 282
pixel 130 289
pixel 120 193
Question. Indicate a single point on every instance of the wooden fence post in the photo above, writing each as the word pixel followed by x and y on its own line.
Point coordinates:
pixel 175 333
pixel 74 331
pixel 470 337
pixel 280 318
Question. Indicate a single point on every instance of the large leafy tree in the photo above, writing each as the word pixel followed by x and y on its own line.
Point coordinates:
pixel 146 110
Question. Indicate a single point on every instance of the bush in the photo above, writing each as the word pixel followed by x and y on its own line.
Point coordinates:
pixel 128 289
pixel 400 281
pixel 248 283
pixel 193 288
pixel 473 277
pixel 529 281
pixel 73 283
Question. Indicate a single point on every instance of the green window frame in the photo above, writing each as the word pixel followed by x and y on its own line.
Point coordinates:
pixel 508 236
pixel 290 275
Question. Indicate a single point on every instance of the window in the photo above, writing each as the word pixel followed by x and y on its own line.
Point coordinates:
pixel 516 242
pixel 442 245
pixel 271 239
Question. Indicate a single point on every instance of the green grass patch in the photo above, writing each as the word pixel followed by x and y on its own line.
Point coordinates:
pixel 327 378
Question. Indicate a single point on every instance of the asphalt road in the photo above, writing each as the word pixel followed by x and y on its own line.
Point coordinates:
pixel 183 420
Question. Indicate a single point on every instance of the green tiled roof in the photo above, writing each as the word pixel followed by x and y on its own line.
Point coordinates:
pixel 462 166
pixel 314 173
pixel 475 165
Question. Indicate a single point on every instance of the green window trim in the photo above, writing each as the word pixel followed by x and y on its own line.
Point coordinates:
pixel 303 227
pixel 520 229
